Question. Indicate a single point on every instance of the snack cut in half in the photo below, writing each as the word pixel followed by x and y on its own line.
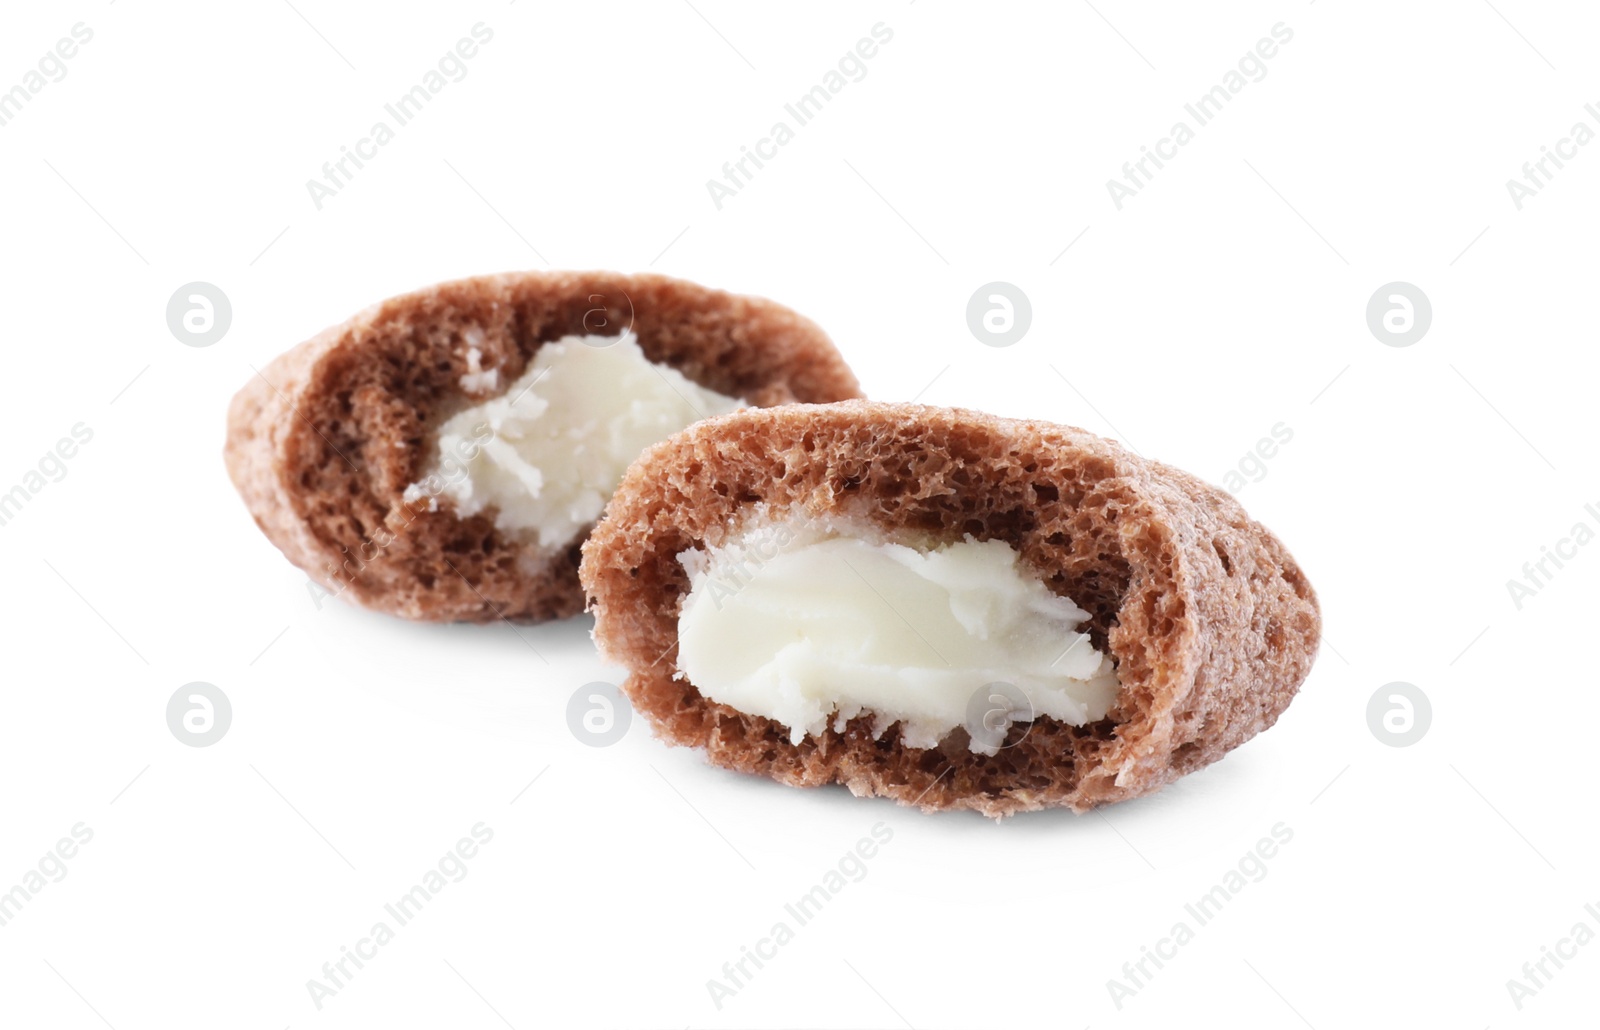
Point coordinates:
pixel 443 454
pixel 942 607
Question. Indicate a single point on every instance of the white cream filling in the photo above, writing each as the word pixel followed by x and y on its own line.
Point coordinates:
pixel 548 452
pixel 810 624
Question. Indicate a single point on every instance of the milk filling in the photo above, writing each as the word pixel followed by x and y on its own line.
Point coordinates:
pixel 812 624
pixel 547 453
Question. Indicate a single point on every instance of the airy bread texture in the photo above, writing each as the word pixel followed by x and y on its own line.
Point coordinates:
pixel 1209 619
pixel 324 441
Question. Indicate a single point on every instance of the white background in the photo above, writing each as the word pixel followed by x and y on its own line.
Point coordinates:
pixel 1226 297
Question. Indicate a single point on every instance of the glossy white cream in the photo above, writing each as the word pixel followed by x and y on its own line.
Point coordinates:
pixel 813 624
pixel 547 453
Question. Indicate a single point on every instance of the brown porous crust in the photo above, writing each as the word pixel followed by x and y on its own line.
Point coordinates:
pixel 1210 621
pixel 323 442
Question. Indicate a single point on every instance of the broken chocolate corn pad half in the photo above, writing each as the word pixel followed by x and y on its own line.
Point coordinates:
pixel 443 454
pixel 942 607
